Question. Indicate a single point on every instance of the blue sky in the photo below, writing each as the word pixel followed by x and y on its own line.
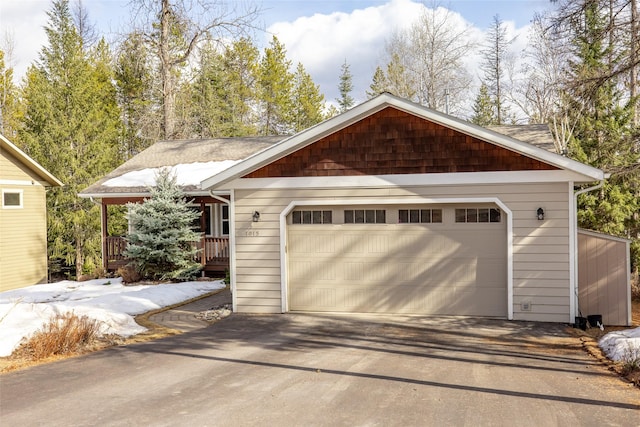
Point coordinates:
pixel 321 34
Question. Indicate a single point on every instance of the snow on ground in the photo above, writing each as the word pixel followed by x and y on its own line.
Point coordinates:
pixel 621 345
pixel 186 174
pixel 24 311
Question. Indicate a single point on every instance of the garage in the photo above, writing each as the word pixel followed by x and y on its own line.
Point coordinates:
pixel 409 259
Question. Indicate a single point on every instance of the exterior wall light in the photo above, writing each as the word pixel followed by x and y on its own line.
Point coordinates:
pixel 540 213
pixel 256 216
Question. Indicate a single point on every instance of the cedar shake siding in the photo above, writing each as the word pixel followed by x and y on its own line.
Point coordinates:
pixel 395 142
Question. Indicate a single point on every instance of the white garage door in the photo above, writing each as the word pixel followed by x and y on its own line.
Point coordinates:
pixel 448 260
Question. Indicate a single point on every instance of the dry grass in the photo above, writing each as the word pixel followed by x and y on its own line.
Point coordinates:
pixel 22 357
pixel 64 334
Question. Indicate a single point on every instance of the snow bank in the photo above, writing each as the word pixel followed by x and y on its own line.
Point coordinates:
pixel 26 310
pixel 620 345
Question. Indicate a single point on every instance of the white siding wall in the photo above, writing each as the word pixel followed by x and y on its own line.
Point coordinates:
pixel 540 248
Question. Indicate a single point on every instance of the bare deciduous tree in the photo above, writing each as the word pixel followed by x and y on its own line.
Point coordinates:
pixel 173 29
pixel 433 51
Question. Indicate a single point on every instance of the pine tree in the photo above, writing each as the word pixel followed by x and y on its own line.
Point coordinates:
pixel 378 84
pixel 604 135
pixel 345 101
pixel 275 83
pixel 209 112
pixel 223 93
pixel 307 102
pixel 160 247
pixel 133 75
pixel 483 108
pixel 9 103
pixel 496 57
pixel 71 127
pixel 240 63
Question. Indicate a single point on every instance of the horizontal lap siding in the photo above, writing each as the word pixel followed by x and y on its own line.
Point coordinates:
pixel 540 248
pixel 23 242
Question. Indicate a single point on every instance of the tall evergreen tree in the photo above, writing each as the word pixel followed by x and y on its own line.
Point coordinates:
pixel 604 135
pixel 9 102
pixel 378 83
pixel 240 62
pixel 345 87
pixel 483 108
pixel 160 247
pixel 307 102
pixel 223 93
pixel 494 65
pixel 71 127
pixel 208 105
pixel 133 75
pixel 275 83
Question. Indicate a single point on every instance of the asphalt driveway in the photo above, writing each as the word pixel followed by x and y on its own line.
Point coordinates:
pixel 306 370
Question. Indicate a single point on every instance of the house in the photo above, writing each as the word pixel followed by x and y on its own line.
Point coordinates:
pixel 23 218
pixel 394 208
pixel 191 161
pixel 389 207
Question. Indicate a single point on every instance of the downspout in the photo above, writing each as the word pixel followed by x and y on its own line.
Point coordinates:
pixel 232 243
pixel 218 197
pixel 575 241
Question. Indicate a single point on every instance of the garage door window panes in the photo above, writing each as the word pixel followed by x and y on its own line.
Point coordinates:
pixel 470 215
pixel 311 217
pixel 414 216
pixel 365 216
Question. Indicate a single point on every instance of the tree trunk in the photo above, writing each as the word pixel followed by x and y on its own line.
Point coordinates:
pixel 168 95
pixel 633 72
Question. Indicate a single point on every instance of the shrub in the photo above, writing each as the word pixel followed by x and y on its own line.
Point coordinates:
pixel 631 359
pixel 64 334
pixel 129 274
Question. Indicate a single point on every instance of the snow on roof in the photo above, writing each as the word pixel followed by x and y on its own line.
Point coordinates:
pixel 187 154
pixel 186 174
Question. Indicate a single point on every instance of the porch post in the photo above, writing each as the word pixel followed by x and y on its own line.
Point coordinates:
pixel 203 229
pixel 103 225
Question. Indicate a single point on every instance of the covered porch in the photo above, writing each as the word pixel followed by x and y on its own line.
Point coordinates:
pixel 213 245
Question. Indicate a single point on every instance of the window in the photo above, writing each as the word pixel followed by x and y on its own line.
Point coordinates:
pixel 12 199
pixel 224 219
pixel 478 215
pixel 196 225
pixel 365 216
pixel 311 217
pixel 408 216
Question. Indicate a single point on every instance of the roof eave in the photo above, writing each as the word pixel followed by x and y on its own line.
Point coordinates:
pixel 121 195
pixel 30 163
pixel 309 136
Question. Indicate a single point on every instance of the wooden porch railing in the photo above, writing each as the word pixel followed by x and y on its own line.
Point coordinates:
pixel 214 257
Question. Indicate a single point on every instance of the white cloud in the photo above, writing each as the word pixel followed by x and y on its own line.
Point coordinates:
pixel 322 42
pixel 23 21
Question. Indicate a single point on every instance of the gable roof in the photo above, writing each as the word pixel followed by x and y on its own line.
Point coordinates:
pixel 536 134
pixel 188 157
pixel 28 162
pixel 377 104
